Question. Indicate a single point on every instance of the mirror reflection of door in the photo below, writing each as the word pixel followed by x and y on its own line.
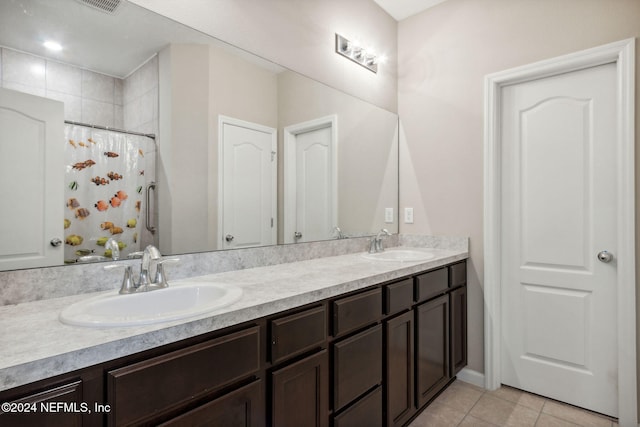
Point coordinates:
pixel 248 190
pixel 31 160
pixel 311 180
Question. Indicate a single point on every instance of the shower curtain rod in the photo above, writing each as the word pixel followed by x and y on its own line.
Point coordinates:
pixel 148 135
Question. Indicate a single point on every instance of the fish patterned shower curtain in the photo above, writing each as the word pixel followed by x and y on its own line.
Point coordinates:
pixel 106 177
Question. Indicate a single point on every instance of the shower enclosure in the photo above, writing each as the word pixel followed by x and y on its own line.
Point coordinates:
pixel 109 183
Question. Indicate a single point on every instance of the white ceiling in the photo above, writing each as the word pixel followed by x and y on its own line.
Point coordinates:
pixel 401 9
pixel 114 44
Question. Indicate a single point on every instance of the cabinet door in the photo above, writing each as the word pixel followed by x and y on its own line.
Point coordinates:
pixel 240 408
pixel 432 344
pixel 458 329
pixel 300 393
pixel 399 372
pixel 61 406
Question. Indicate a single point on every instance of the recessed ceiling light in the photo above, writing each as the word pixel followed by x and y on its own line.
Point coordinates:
pixel 51 45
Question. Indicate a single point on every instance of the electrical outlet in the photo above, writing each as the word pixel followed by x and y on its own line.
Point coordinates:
pixel 408 215
pixel 388 215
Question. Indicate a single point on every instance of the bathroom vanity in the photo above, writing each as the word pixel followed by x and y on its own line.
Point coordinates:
pixel 367 343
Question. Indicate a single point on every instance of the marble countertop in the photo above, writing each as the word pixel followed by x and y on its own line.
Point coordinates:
pixel 35 345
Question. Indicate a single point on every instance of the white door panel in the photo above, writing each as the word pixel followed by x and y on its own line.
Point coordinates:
pixel 559 211
pixel 32 173
pixel 310 180
pixel 314 185
pixel 249 189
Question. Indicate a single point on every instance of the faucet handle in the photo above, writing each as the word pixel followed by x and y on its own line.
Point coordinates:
pixel 133 255
pixel 161 277
pixel 128 286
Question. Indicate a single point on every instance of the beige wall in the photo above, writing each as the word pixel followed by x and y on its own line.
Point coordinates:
pixel 300 35
pixel 367 177
pixel 198 84
pixel 444 53
pixel 183 132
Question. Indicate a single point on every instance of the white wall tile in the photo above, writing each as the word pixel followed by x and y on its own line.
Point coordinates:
pixel 117 92
pixel 23 69
pixel 118 119
pixel 148 106
pixel 64 78
pixel 132 114
pixel 97 113
pixel 148 76
pixel 72 104
pixel 39 91
pixel 97 87
pixel 131 88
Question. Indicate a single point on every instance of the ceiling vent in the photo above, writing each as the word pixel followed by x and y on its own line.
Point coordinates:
pixel 107 6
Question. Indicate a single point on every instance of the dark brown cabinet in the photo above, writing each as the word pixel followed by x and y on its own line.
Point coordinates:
pixel 367 412
pixel 300 393
pixel 240 408
pixel 60 406
pixel 432 348
pixel 400 369
pixel 145 391
pixel 357 366
pixel 458 305
pixel 370 358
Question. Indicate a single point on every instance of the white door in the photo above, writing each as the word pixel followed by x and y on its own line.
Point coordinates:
pixel 249 189
pixel 310 181
pixel 31 180
pixel 559 212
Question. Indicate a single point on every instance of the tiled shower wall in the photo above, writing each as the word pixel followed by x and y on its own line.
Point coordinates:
pixel 88 97
pixel 140 96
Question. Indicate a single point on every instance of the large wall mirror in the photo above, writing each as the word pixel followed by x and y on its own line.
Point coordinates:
pixel 163 135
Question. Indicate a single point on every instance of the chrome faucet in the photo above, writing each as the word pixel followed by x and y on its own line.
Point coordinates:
pixel 150 253
pixel 144 283
pixel 115 248
pixel 375 245
pixel 338 233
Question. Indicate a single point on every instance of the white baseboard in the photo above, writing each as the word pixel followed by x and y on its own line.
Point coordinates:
pixel 471 377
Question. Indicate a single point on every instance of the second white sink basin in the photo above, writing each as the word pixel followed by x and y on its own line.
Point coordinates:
pixel 402 255
pixel 180 300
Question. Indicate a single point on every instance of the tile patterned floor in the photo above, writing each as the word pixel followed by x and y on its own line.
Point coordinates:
pixel 463 404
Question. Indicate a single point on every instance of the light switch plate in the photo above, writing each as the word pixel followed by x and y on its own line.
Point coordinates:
pixel 408 215
pixel 388 215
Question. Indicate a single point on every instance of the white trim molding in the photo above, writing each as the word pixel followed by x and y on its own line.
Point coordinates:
pixel 621 53
pixel 471 377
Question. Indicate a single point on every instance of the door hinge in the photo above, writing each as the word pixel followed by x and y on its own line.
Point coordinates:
pixel 273 155
pixel 271 222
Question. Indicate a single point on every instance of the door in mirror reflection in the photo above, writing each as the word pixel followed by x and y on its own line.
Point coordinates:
pixel 311 194
pixel 31 159
pixel 248 196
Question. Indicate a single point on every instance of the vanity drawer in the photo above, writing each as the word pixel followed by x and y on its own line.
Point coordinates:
pixel 398 296
pixel 357 365
pixel 143 390
pixel 355 311
pixel 432 284
pixel 458 274
pixel 366 412
pixel 297 333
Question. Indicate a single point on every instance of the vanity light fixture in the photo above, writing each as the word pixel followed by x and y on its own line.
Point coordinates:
pixel 356 52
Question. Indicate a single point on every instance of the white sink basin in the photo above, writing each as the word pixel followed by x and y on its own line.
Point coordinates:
pixel 180 300
pixel 401 255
